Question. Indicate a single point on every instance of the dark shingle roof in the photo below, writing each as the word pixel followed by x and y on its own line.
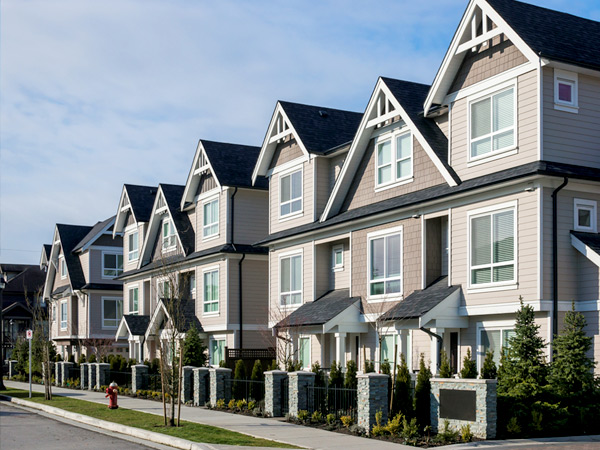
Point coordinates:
pixel 92 233
pixel 70 236
pixel 137 324
pixel 321 310
pixel 592 240
pixel 233 163
pixel 321 129
pixel 173 194
pixel 61 289
pixel 411 97
pixel 553 34
pixel 420 302
pixel 29 279
pixel 141 199
pixel 47 250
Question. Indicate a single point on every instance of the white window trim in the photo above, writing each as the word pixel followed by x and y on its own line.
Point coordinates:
pixel 337 267
pixel 129 289
pixel 66 322
pixel 218 311
pixel 498 286
pixel 62 263
pixel 586 204
pixel 569 78
pixel 279 203
pixel 379 348
pixel 290 254
pixel 396 295
pixel 171 236
pixel 108 277
pixel 192 274
pixel 159 291
pixel 489 326
pixel 492 155
pixel 131 258
pixel 305 336
pixel 117 299
pixel 216 337
pixel 204 226
pixel 392 136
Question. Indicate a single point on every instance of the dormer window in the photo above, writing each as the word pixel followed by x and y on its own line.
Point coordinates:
pixel 211 219
pixel 565 91
pixel 290 194
pixel 168 235
pixel 394 159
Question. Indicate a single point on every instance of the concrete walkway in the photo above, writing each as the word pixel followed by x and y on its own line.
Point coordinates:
pixel 273 429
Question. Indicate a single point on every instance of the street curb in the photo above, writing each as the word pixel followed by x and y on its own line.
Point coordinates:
pixel 151 436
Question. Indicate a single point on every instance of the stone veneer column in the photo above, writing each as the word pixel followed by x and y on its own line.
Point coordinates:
pixel 187 388
pixel 372 398
pixel 139 377
pixel 201 379
pixel 102 374
pixel 299 382
pixel 84 376
pixel 273 381
pixel 485 425
pixel 66 367
pixel 92 372
pixel 219 386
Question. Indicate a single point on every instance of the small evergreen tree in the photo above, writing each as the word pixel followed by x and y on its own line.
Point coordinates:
pixel 469 369
pixel 488 370
pixel 316 369
pixel 239 373
pixel 386 367
pixel 336 377
pixel 274 365
pixel 257 375
pixel 445 369
pixel 403 401
pixel 369 367
pixel 350 381
pixel 92 358
pixel 194 350
pixel 422 393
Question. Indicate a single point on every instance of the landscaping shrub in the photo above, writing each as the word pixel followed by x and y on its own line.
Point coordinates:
pixel 422 393
pixel 403 401
pixel 410 430
pixel 194 350
pixel 447 434
pixel 336 376
pixel 465 433
pixel 445 369
pixel 319 378
pixel 257 375
pixel 92 358
pixel 350 380
pixel 231 404
pixel 369 367
pixel 274 365
pixel 317 417
pixel 347 420
pixel 469 369
pixel 220 403
pixel 303 415
pixel 394 426
pixel 330 419
pixel 488 370
pixel 238 389
pixel 81 359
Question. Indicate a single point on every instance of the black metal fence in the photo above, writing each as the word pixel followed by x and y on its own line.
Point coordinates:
pixel 285 390
pixel 332 400
pixel 246 389
pixel 152 382
pixel 123 379
pixel 73 376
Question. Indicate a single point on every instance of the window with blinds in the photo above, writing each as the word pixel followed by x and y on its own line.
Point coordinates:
pixel 385 261
pixel 210 224
pixel 493 248
pixel 304 352
pixel 495 340
pixel 394 159
pixel 290 283
pixel 493 123
pixel 290 194
pixel 211 291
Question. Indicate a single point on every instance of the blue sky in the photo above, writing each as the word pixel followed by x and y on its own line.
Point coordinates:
pixel 98 93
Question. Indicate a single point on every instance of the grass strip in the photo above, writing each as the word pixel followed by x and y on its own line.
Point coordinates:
pixel 188 430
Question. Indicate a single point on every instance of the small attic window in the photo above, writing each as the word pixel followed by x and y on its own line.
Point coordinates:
pixel 565 91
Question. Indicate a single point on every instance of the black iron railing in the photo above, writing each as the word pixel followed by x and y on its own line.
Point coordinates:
pixel 246 389
pixel 332 400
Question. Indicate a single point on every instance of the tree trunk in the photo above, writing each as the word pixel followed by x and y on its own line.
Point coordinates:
pixel 162 387
pixel 180 382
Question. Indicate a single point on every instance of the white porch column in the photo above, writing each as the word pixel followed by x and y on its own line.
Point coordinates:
pixel 340 349
pixel 435 349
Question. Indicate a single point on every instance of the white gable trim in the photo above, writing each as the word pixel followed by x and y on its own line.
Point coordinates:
pixel 122 212
pixel 194 175
pixel 585 250
pixel 123 330
pixel 52 265
pixel 270 143
pixel 455 54
pixel 95 238
pixel 357 149
pixel 159 312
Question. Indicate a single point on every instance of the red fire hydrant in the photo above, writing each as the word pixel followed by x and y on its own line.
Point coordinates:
pixel 111 393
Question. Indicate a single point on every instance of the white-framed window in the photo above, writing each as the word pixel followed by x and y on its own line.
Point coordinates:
pixel 493 336
pixel 290 193
pixel 192 285
pixel 304 352
pixel 290 280
pixel 63 315
pixel 169 240
pixel 112 264
pixel 584 215
pixel 565 90
pixel 337 256
pixel 217 351
pixel 112 312
pixel 164 289
pixel 63 267
pixel 492 242
pixel 394 159
pixel 210 227
pixel 134 244
pixel 133 295
pixel 211 291
pixel 492 123
pixel 388 344
pixel 385 263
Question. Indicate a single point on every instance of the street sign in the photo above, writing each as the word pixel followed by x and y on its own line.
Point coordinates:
pixel 29 334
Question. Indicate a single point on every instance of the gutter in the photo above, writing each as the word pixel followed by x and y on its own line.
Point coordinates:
pixel 440 340
pixel 555 256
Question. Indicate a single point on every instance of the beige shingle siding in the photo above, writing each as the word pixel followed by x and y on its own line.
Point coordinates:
pixel 442 123
pixel 487 62
pixel 527 113
pixel 84 260
pixel 322 167
pixel 578 133
pixel 251 216
pixel 285 152
pixel 224 293
pixel 362 191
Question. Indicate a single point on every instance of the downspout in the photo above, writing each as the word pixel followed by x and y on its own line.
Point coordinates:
pixel 555 256
pixel 438 337
pixel 240 293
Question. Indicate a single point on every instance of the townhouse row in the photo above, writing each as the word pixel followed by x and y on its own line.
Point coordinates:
pixel 413 227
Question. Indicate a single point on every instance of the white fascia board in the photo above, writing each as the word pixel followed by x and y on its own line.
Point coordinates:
pixel 51 271
pixel 95 238
pixel 585 250
pixel 350 317
pixel 445 314
pixel 121 209
pixel 193 179
pixel 152 228
pixel 158 313
pixel 123 330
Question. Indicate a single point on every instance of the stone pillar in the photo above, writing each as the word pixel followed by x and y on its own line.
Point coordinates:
pixel 299 383
pixel 462 402
pixel 12 369
pixel 273 394
pixel 340 349
pixel 139 377
pixel 66 367
pixel 92 372
pixel 58 374
pixel 84 376
pixel 102 374
pixel 220 387
pixel 372 398
pixel 201 385
pixel 187 388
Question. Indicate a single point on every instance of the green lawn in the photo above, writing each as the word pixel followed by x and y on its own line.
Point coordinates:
pixel 188 430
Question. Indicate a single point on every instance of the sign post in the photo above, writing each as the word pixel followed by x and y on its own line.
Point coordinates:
pixel 29 335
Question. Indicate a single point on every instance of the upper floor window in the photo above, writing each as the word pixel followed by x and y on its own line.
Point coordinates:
pixel 492 240
pixel 211 291
pixel 63 267
pixel 338 257
pixel 63 315
pixel 112 265
pixel 565 90
pixel 394 159
pixel 585 215
pixel 385 263
pixel 169 241
pixel 211 218
pixel 290 285
pixel 133 241
pixel 112 312
pixel 492 123
pixel 290 193
pixel 134 300
pixel 164 289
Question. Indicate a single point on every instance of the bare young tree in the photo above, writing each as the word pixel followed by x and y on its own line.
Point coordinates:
pixel 100 346
pixel 41 333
